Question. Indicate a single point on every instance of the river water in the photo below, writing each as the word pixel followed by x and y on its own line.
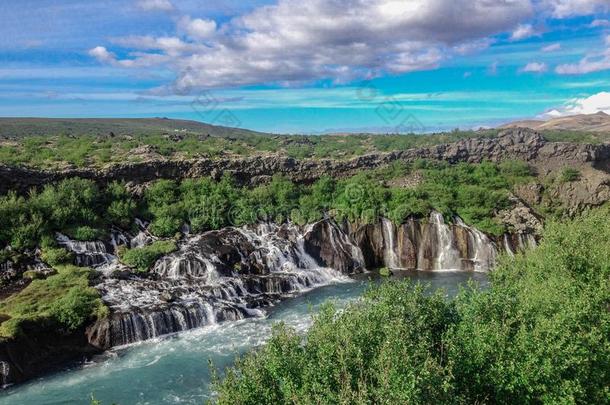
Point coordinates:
pixel 175 369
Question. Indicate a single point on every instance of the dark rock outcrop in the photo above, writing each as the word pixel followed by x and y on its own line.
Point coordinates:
pixel 523 144
pixel 40 349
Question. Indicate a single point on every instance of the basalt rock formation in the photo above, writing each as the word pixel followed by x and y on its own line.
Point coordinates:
pixel 523 144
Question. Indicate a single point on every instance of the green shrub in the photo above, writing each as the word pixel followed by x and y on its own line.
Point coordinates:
pixel 64 298
pixel 121 206
pixel 569 175
pixel 85 233
pixel 75 307
pixel 384 271
pixel 56 256
pixel 144 257
pixel 33 275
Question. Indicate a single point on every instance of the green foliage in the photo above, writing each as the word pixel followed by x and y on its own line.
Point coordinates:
pixel 64 299
pixel 33 275
pixel 80 209
pixel 384 271
pixel 569 175
pixel 85 233
pixel 143 258
pixel 74 308
pixel 164 206
pixel 385 349
pixel 121 207
pixel 56 256
pixel 539 334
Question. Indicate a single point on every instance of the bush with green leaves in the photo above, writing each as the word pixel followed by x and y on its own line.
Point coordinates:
pixel 56 256
pixel 569 174
pixel 539 334
pixel 142 258
pixel 65 299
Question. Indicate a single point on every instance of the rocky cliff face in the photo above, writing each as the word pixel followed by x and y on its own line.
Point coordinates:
pixel 523 144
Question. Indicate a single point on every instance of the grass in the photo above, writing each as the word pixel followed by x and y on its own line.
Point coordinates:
pixel 64 299
pixel 60 143
pixel 96 143
pixel 143 258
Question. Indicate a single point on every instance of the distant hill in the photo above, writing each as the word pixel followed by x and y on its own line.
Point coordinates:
pixel 599 122
pixel 23 127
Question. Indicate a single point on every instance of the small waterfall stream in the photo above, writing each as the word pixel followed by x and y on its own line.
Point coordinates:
pixel 389 244
pixel 89 253
pixel 447 256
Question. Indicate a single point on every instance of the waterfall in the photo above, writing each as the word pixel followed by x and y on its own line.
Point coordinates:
pixel 188 263
pixel 87 254
pixel 527 241
pixel 6 267
pixel 390 258
pixel 447 256
pixel 484 250
pixel 234 273
pixel 5 370
pixel 213 277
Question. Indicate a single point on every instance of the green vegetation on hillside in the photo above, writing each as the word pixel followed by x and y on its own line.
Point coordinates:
pixel 83 211
pixel 142 258
pixel 540 334
pixel 63 300
pixel 576 136
pixel 60 143
pixel 57 143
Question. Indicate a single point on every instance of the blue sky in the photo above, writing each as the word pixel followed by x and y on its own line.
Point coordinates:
pixel 307 66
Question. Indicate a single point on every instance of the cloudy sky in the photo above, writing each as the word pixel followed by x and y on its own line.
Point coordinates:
pixel 306 65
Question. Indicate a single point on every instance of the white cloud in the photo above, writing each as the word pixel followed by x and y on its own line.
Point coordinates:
pixel 197 28
pixel 102 54
pixel 296 41
pixel 551 48
pixel 588 105
pixel 140 59
pixel 155 5
pixel 172 46
pixel 599 23
pixel 523 31
pixel 593 62
pixel 467 48
pixel 572 8
pixel 535 67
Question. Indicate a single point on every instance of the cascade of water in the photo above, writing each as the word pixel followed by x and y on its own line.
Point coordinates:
pixel 507 246
pixel 89 253
pixel 4 373
pixel 390 248
pixel 194 287
pixel 234 272
pixel 447 256
pixel 484 249
pixel 6 267
pixel 341 242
